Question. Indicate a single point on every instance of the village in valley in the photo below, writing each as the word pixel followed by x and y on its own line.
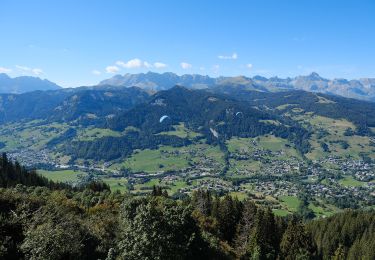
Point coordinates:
pixel 266 169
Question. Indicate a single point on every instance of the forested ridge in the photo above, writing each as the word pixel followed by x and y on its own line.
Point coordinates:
pixel 66 105
pixel 230 111
pixel 43 220
pixel 199 110
pixel 356 111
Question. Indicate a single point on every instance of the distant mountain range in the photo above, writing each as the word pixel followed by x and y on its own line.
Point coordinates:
pixel 363 89
pixel 24 84
pixel 156 81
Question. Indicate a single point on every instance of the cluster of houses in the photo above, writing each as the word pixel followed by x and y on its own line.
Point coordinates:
pixel 276 188
pixel 31 158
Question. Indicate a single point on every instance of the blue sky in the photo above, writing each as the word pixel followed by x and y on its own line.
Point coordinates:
pixel 82 42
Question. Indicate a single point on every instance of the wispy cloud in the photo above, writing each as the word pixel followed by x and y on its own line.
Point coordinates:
pixel 185 65
pixel 28 70
pixel 249 66
pixel 112 69
pixel 234 56
pixel 37 71
pixel 96 72
pixel 5 70
pixel 160 65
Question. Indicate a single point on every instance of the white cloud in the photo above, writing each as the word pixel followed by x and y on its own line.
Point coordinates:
pixel 138 63
pixel 160 65
pixel 185 65
pixel 24 68
pixel 96 72
pixel 120 63
pixel 27 70
pixel 131 64
pixel 37 71
pixel 147 65
pixel 234 56
pixel 112 69
pixel 5 70
pixel 249 66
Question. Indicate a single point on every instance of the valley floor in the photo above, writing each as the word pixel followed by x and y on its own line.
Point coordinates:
pixel 266 168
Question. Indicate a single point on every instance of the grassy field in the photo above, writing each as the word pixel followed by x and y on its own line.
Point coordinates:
pixel 320 211
pixel 324 100
pixel 285 106
pixel 116 184
pixel 290 202
pixel 349 181
pixel 270 142
pixel 62 175
pixel 239 195
pixel 29 135
pixel 171 187
pixel 168 158
pixel 147 186
pixel 89 134
pixel 280 212
pixel 267 142
pixel 334 137
pixel 163 159
pixel 181 131
pixel 175 186
pixel 237 144
pixel 212 152
pixel 272 122
pixel 290 205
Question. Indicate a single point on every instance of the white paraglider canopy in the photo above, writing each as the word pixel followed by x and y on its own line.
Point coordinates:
pixel 214 132
pixel 239 112
pixel 163 118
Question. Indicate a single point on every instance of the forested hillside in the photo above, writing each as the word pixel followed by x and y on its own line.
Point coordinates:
pixel 216 117
pixel 359 112
pixel 88 106
pixel 94 223
pixel 345 235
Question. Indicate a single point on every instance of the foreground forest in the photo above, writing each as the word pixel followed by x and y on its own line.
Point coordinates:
pixel 40 219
